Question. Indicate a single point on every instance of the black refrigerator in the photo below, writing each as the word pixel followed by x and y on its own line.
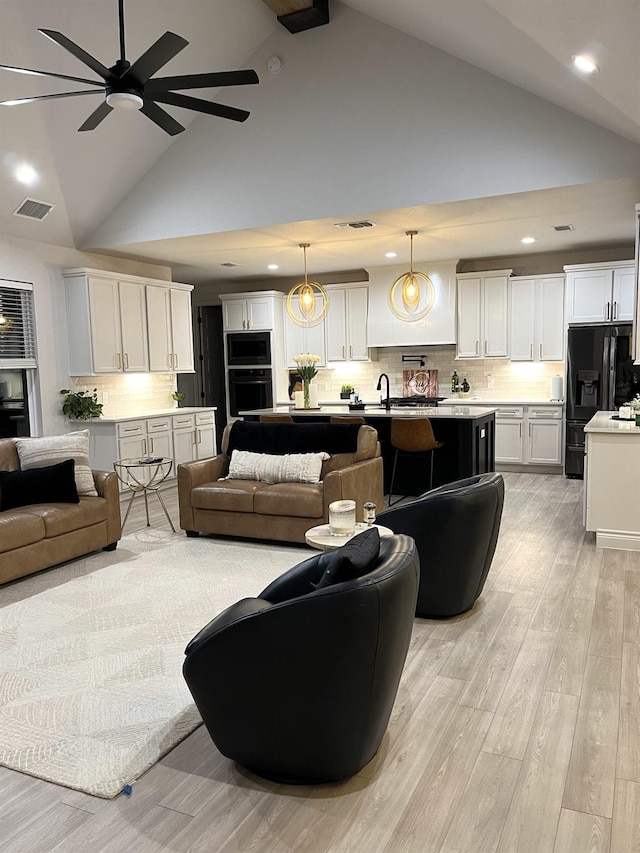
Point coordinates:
pixel 601 376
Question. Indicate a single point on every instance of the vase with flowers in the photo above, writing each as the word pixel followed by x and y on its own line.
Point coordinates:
pixel 306 363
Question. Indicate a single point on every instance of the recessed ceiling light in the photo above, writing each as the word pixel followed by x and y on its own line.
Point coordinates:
pixel 391 254
pixel 528 240
pixel 584 63
pixel 26 174
pixel 273 267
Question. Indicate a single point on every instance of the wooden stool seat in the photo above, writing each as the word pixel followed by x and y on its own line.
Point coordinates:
pixel 346 419
pixel 412 436
pixel 276 419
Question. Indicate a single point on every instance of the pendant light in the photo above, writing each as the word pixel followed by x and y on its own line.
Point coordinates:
pixel 307 301
pixel 413 293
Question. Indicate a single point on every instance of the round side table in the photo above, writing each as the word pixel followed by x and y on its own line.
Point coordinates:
pixel 143 476
pixel 319 537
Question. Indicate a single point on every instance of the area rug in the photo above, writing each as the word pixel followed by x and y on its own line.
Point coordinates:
pixel 91 687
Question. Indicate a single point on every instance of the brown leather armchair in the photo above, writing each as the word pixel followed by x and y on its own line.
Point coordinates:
pixel 281 511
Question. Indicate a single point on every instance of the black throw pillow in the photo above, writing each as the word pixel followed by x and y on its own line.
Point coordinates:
pixel 50 484
pixel 356 558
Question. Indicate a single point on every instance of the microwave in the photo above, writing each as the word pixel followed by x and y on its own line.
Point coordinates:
pixel 248 348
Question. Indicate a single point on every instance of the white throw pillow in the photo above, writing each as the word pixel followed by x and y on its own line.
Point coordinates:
pixel 51 449
pixel 288 468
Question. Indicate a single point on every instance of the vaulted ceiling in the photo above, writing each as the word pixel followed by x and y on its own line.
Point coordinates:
pixel 129 171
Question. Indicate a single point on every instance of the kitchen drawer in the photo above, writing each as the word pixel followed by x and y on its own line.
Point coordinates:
pixel 183 421
pixel 158 425
pixel 510 412
pixel 203 418
pixel 130 428
pixel 544 412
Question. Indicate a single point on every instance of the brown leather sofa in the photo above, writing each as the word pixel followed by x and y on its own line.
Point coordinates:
pixel 38 536
pixel 281 511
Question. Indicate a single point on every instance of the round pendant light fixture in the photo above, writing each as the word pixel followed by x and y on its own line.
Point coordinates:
pixel 412 294
pixel 307 301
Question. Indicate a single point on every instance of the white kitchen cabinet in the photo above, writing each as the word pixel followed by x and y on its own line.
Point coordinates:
pixel 182 437
pixel 109 324
pixel 299 339
pixel 528 435
pixel 482 315
pixel 346 323
pixel 170 329
pixel 509 441
pixel 536 326
pixel 600 293
pixel 544 442
pixel 242 312
pixel 384 329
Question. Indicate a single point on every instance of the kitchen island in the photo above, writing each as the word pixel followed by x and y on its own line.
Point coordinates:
pixel 467 432
pixel 612 468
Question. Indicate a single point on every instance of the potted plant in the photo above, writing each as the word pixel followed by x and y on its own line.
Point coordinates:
pixel 178 397
pixel 346 391
pixel 81 405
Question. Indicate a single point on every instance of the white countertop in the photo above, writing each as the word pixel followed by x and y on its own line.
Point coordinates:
pixel 461 412
pixel 601 422
pixel 160 413
pixel 471 400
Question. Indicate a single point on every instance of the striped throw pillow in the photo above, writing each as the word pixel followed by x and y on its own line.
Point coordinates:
pixel 51 449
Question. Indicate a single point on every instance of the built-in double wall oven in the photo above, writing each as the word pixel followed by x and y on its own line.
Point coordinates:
pixel 249 388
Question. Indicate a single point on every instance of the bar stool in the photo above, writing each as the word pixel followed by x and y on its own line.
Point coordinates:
pixel 276 419
pixel 412 436
pixel 346 419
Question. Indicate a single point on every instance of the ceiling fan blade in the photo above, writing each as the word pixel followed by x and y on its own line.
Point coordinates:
pixel 197 104
pixel 15 101
pixel 202 81
pixel 96 117
pixel 49 74
pixel 153 59
pixel 80 54
pixel 161 118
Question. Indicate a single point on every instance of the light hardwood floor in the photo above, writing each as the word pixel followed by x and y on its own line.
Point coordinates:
pixel 516 728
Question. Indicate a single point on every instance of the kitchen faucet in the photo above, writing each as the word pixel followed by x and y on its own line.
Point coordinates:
pixel 387 402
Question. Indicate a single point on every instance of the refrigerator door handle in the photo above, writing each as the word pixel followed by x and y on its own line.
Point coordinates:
pixel 604 399
pixel 612 372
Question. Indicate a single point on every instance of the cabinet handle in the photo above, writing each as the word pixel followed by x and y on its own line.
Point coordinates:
pixel 350 352
pixel 126 361
pixel 150 445
pixel 199 436
pixel 144 446
pixel 608 309
pixel 344 351
pixel 477 347
pixel 615 311
pixel 530 425
pixel 119 361
pixel 485 347
pixel 520 429
pixel 131 429
pixel 540 352
pixel 248 325
pixel 195 437
pixel 169 360
pixel 175 359
pixel 531 351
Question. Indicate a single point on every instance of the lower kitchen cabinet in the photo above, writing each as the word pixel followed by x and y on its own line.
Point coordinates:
pixel 181 437
pixel 529 435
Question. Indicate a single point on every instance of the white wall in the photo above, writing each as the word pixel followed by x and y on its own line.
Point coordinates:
pixel 361 118
pixel 42 265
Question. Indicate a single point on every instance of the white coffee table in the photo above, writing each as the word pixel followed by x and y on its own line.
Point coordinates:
pixel 320 537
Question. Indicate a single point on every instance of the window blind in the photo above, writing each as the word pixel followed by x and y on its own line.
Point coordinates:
pixel 17 326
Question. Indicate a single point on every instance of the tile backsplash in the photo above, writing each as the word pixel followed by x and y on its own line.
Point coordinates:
pixel 491 377
pixel 124 394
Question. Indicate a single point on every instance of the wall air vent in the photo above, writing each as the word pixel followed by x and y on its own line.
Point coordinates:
pixel 229 264
pixel 563 227
pixel 31 208
pixel 362 223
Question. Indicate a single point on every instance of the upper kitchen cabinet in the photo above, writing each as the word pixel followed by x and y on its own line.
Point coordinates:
pixel 299 339
pixel 170 328
pixel 384 329
pixel 248 311
pixel 600 293
pixel 536 328
pixel 108 323
pixel 346 323
pixel 482 314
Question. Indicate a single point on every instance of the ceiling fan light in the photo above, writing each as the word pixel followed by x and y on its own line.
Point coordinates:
pixel 124 101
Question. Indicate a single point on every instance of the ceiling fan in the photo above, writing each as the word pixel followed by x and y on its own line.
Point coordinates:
pixel 128 86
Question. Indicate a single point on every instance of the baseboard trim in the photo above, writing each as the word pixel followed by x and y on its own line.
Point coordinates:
pixel 621 540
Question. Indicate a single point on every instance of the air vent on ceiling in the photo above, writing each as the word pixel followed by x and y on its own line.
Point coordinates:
pixel 229 264
pixel 362 223
pixel 33 209
pixel 563 228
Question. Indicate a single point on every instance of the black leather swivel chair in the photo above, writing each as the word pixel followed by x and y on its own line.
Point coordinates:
pixel 456 530
pixel 298 684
